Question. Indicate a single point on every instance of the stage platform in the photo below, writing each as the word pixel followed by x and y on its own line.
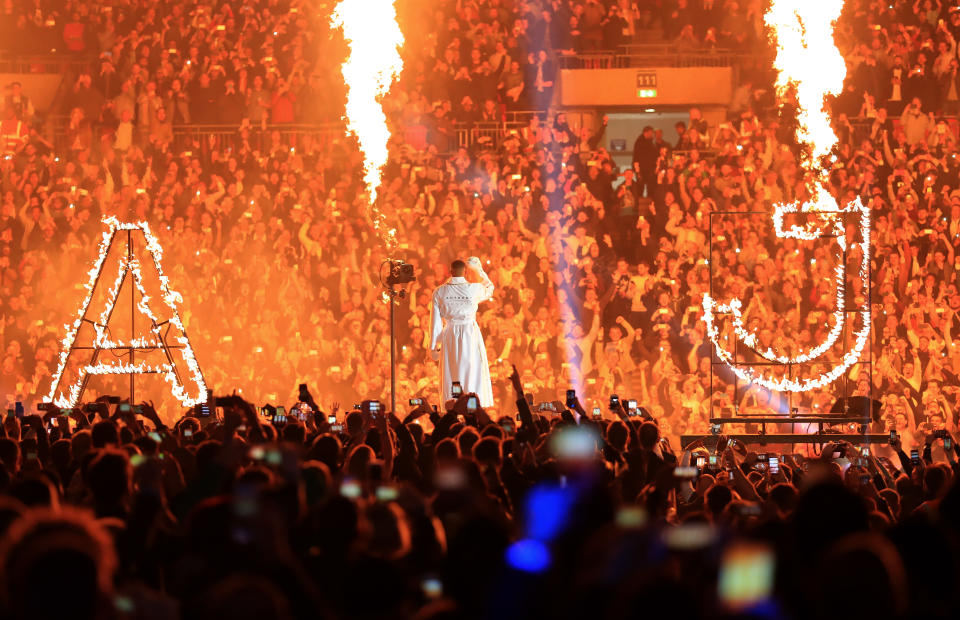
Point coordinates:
pixel 791 420
pixel 815 438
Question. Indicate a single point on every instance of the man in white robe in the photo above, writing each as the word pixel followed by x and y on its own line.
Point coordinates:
pixel 455 336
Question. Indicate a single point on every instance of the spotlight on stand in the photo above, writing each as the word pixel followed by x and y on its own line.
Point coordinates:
pixel 398 273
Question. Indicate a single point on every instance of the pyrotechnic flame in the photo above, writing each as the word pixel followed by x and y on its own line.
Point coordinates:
pixel 808 61
pixel 374 39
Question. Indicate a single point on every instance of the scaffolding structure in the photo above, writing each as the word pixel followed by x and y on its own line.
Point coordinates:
pixel 794 417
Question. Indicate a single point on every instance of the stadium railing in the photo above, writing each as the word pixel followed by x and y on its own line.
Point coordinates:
pixel 652 55
pixel 63 64
pixel 292 136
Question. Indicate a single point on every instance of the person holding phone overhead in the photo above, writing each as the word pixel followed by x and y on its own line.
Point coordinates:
pixel 455 339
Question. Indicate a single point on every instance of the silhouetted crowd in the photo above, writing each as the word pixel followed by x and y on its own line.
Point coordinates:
pixel 245 512
pixel 599 270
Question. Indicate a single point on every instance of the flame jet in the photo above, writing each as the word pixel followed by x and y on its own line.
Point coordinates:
pixel 374 39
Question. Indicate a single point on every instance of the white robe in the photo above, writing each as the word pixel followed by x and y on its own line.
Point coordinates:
pixel 463 356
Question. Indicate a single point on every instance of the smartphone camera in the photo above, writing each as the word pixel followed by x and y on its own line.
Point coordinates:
pixel 386 494
pixel 416 402
pixel 331 419
pixel 456 390
pixel 746 575
pixel 472 404
pixel 774 465
pixel 432 587
pixel 350 489
pixel 632 406
pixel 571 399
pixel 596 412
pixel 614 402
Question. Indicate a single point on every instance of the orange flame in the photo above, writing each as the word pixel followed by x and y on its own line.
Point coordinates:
pixel 373 36
pixel 808 59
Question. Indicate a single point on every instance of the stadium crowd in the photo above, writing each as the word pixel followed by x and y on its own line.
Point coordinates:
pixel 115 510
pixel 455 514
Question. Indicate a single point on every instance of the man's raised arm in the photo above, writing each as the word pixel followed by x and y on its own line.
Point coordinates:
pixel 474 263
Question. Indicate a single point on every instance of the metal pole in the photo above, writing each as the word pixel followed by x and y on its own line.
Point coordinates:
pixel 872 341
pixel 736 347
pixel 846 313
pixel 393 352
pixel 133 309
pixel 710 289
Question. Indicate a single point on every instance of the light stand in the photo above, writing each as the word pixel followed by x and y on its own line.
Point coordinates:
pixel 399 273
